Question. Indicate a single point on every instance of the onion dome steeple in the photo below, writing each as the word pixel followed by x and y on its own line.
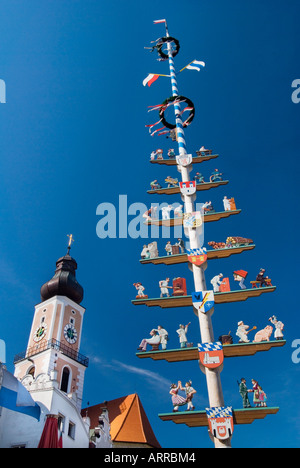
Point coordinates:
pixel 64 282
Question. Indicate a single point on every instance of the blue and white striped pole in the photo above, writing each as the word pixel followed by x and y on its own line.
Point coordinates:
pixel 213 380
pixel 179 123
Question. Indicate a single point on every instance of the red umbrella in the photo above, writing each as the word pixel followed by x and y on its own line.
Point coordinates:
pixel 49 437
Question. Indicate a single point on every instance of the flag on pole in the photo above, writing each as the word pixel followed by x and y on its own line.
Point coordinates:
pixel 49 437
pixel 190 66
pixel 150 79
pixel 159 21
pixel 15 397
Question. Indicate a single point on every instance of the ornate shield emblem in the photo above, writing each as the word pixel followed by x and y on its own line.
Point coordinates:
pixel 211 354
pixel 188 188
pixel 197 256
pixel 184 159
pixel 220 421
pixel 203 301
pixel 192 220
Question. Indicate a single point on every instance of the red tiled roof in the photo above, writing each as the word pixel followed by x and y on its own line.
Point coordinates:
pixel 128 420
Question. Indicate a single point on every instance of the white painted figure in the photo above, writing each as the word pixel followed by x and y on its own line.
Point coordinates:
pixel 216 281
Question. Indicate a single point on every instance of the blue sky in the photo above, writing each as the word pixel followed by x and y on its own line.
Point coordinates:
pixel 73 136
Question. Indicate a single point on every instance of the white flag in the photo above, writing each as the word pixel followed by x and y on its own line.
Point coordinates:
pixel 194 62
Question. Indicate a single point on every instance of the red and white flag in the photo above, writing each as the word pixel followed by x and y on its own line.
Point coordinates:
pixel 150 79
pixel 159 21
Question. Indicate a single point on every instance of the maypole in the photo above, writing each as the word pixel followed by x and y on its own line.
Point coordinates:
pixel 214 387
pixel 219 418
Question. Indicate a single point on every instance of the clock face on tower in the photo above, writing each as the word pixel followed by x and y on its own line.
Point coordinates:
pixel 70 333
pixel 40 333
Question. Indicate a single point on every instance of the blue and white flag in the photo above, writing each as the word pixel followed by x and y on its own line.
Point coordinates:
pixel 15 397
pixel 191 65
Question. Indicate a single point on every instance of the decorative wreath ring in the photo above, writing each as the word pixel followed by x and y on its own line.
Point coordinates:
pixel 162 41
pixel 180 99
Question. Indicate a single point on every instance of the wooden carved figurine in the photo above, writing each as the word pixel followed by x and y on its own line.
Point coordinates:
pixel 207 207
pixel 259 396
pixel 204 150
pixel 255 392
pixel 263 335
pixel 262 396
pixel 216 281
pixel 165 211
pixel 216 176
pixel 171 182
pixel 164 336
pixel 158 153
pixel 164 287
pixel 150 250
pixel 240 275
pixel 199 178
pixel 171 153
pixel 262 279
pixel 168 248
pixel 177 400
pixel 229 204
pixel 178 211
pixel 140 289
pixel 182 331
pixel 180 244
pixel 189 392
pixel 243 390
pixel 154 341
pixel 242 332
pixel 155 185
pixel 279 326
pixel 145 253
pixel 226 204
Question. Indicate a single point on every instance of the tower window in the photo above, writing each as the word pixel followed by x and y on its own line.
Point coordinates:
pixel 65 380
pixel 71 430
pixel 61 422
pixel 31 371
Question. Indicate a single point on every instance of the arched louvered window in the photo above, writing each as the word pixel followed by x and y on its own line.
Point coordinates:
pixel 65 378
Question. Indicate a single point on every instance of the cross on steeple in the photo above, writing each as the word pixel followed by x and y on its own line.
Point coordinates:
pixel 70 236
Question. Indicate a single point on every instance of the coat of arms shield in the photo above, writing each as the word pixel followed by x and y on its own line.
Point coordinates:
pixel 197 256
pixel 188 188
pixel 203 301
pixel 184 159
pixel 220 421
pixel 211 354
pixel 192 220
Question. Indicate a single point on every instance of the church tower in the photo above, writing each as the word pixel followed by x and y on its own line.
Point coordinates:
pixel 55 336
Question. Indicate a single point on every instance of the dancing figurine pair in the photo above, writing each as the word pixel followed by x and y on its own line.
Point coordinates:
pixel 179 400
